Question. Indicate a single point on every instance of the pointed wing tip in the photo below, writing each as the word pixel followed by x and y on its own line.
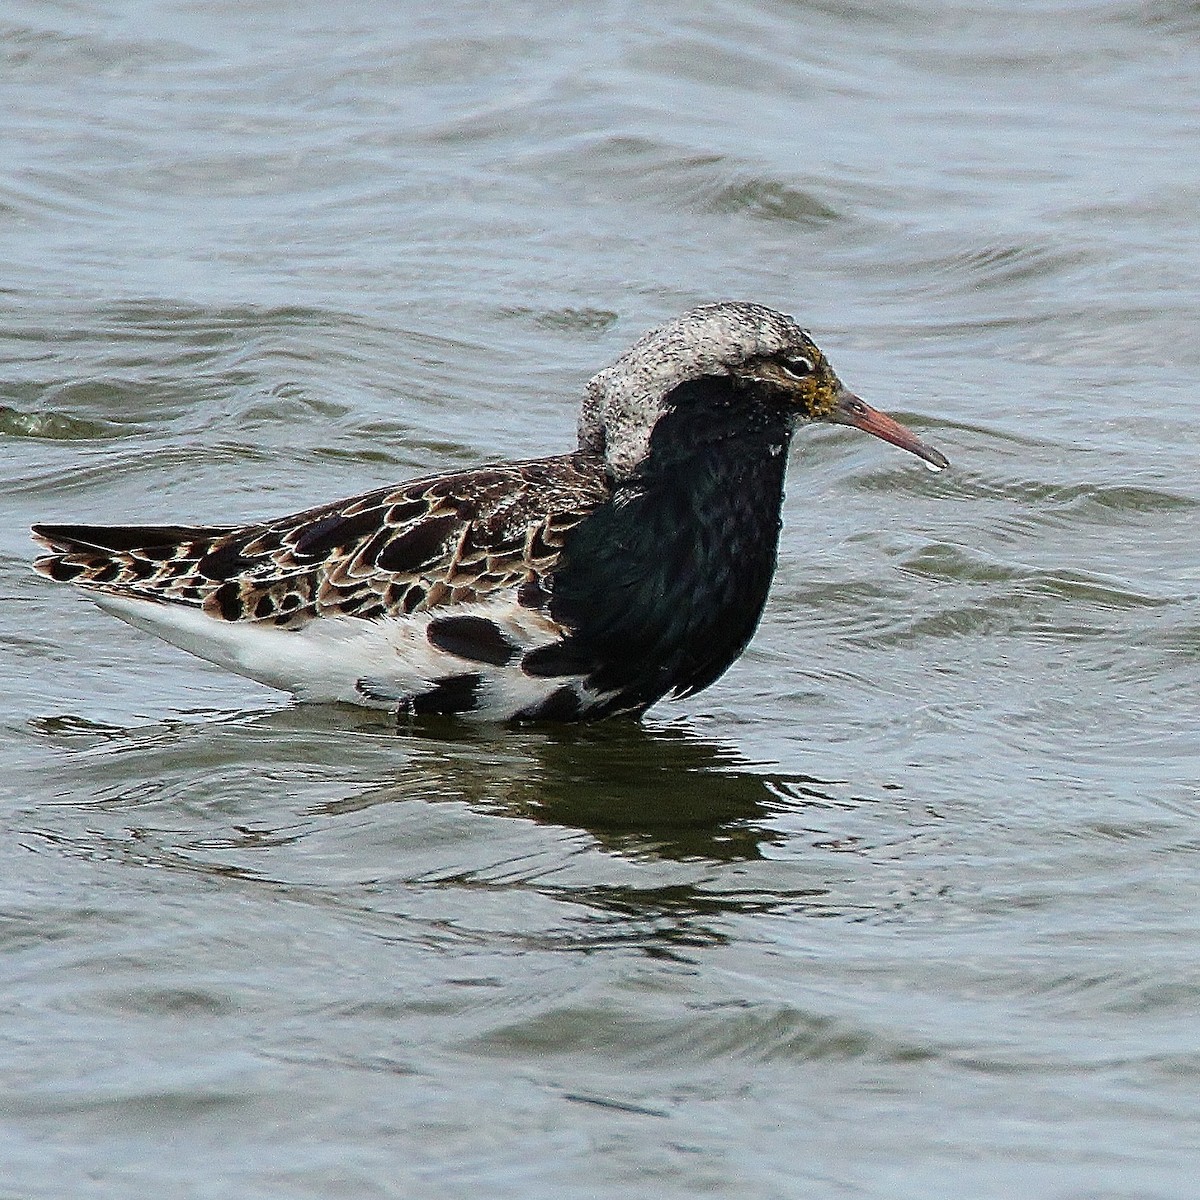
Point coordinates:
pixel 52 565
pixel 44 535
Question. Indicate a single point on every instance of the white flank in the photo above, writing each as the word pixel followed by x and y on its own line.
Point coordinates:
pixel 325 660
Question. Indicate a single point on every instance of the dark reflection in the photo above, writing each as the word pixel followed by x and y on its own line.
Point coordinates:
pixel 658 794
pixel 657 791
pixel 694 813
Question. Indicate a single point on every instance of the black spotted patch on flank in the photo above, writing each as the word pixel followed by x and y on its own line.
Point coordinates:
pixel 450 694
pixel 561 705
pixel 558 658
pixel 474 638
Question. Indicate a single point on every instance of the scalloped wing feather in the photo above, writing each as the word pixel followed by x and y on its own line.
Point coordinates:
pixel 433 542
pixel 421 598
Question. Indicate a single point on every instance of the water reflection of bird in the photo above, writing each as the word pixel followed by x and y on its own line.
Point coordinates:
pixel 579 586
pixel 650 791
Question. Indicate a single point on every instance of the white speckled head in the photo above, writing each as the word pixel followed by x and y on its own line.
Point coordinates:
pixel 624 401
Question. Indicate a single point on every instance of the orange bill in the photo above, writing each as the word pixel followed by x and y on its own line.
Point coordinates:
pixel 851 410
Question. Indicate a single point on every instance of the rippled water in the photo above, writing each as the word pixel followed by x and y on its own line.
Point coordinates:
pixel 905 905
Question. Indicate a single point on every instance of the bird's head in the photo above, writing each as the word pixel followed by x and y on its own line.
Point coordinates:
pixel 762 360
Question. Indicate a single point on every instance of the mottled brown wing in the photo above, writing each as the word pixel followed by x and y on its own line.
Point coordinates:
pixel 431 542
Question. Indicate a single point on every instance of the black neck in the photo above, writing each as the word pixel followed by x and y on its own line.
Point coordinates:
pixel 664 585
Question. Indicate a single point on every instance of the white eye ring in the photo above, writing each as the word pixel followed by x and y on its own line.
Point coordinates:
pixel 798 367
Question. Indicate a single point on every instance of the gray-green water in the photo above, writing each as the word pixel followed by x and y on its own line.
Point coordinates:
pixel 906 905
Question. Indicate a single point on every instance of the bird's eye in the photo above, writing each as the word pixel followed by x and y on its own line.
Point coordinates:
pixel 798 367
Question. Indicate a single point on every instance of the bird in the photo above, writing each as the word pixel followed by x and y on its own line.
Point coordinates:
pixel 585 585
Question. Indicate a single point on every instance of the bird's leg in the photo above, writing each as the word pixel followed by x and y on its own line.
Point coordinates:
pixel 405 714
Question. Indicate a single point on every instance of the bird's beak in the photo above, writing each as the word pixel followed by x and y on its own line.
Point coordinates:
pixel 850 410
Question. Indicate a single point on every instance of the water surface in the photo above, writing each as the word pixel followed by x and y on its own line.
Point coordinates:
pixel 904 906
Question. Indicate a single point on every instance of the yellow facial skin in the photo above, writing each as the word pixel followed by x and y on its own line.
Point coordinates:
pixel 804 380
pixel 815 393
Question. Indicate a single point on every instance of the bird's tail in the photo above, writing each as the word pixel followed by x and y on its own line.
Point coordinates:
pixel 148 560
